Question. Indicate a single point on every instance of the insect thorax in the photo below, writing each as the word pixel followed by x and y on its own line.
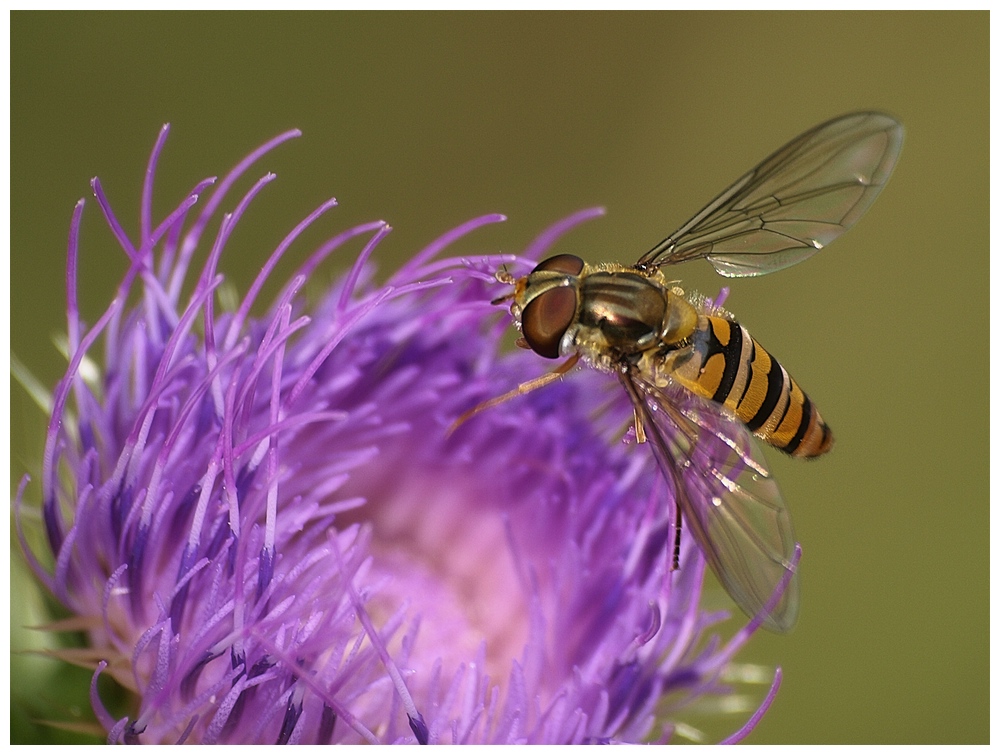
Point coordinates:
pixel 626 317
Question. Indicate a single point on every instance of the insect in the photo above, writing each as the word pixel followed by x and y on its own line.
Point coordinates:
pixel 700 385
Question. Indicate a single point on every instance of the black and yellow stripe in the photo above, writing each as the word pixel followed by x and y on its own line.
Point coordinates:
pixel 738 372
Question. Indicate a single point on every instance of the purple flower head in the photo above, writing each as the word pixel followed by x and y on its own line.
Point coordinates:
pixel 274 538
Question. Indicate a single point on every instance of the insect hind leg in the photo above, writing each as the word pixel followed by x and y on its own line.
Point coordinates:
pixel 676 449
pixel 690 432
pixel 676 564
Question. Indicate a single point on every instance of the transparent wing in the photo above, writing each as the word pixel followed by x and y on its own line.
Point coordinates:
pixel 794 203
pixel 728 500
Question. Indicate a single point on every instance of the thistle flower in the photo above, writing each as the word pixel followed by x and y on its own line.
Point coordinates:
pixel 271 536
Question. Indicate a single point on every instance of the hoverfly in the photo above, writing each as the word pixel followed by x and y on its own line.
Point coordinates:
pixel 699 383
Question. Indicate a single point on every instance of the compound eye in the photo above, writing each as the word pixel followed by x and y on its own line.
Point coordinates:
pixel 546 318
pixel 561 263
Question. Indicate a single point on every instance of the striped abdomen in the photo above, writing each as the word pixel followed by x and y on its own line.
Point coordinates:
pixel 737 371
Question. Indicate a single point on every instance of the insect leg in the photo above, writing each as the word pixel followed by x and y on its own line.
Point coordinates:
pixel 677 541
pixel 640 411
pixel 525 387
pixel 640 430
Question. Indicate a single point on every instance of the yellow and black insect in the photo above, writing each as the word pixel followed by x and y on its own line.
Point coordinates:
pixel 699 383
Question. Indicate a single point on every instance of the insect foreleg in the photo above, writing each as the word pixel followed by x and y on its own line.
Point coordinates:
pixel 525 387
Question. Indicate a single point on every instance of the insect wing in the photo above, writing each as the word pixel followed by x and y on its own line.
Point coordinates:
pixel 794 203
pixel 729 502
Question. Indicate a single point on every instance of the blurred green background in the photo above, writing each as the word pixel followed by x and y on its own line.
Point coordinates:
pixel 426 120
